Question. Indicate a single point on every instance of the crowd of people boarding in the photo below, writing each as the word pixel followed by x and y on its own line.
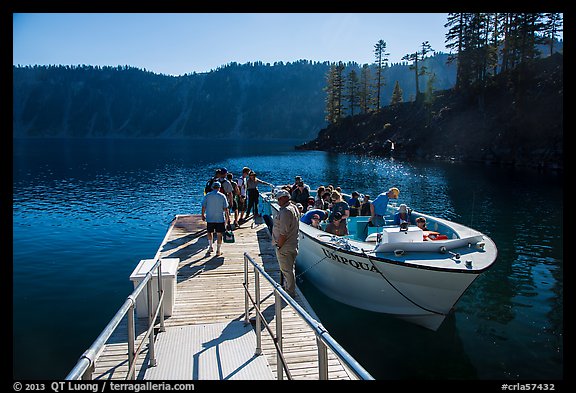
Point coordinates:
pixel 228 202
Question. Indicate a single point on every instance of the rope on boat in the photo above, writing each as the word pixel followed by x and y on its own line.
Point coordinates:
pixel 399 291
pixel 342 243
pixel 298 276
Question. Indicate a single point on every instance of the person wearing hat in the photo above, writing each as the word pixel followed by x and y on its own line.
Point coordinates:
pixel 297 180
pixel 227 188
pixel 379 205
pixel 403 215
pixel 315 221
pixel 337 226
pixel 285 239
pixel 300 208
pixel 307 217
pixel 215 213
pixel 300 194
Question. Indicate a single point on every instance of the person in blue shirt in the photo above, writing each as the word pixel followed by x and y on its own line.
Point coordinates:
pixel 379 205
pixel 355 205
pixel 215 213
pixel 403 215
pixel 307 217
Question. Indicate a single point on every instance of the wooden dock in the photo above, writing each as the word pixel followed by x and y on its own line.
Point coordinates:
pixel 205 336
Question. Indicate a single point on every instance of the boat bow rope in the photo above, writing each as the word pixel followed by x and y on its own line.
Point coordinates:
pixel 344 244
pixel 398 290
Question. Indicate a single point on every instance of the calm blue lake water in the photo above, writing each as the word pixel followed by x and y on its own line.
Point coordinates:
pixel 86 212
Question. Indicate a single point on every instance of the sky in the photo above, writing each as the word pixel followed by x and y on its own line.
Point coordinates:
pixel 177 44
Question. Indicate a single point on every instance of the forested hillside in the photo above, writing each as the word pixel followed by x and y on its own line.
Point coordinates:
pixel 516 120
pixel 253 100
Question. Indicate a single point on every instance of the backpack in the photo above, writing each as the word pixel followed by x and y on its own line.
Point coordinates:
pixel 208 186
pixel 235 187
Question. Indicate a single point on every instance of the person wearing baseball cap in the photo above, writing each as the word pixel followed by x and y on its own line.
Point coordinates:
pixel 285 239
pixel 379 205
pixel 215 213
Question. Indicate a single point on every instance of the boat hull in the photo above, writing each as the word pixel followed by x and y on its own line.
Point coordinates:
pixel 422 296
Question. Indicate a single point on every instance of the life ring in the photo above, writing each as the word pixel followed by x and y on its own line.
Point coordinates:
pixel 432 235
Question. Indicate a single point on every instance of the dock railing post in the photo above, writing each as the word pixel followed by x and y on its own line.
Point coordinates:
pixel 278 314
pixel 258 322
pixel 322 359
pixel 151 313
pixel 87 376
pixel 160 298
pixel 246 319
pixel 131 336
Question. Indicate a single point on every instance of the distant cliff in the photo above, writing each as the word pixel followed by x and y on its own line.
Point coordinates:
pixel 234 101
pixel 516 120
pixel 253 100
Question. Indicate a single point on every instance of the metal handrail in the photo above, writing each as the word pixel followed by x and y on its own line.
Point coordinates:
pixel 323 338
pixel 85 365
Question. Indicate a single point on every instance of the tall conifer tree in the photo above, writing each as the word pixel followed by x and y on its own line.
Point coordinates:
pixel 381 60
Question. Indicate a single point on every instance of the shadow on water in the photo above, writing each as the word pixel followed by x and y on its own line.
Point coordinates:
pixel 390 348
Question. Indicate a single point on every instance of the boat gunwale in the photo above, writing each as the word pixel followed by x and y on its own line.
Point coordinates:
pixel 378 258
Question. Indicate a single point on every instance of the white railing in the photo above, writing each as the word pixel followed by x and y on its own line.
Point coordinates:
pixel 323 338
pixel 85 365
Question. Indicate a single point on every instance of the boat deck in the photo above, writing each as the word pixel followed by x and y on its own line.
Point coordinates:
pixel 205 336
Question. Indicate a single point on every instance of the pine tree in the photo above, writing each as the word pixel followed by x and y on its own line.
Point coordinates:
pixel 455 42
pixel 365 93
pixel 552 26
pixel 418 70
pixel 334 89
pixel 352 91
pixel 396 95
pixel 413 57
pixel 381 60
pixel 429 94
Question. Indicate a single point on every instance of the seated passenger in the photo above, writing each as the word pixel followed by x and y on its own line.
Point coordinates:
pixel 310 204
pixel 354 204
pixel 316 221
pixel 337 226
pixel 307 217
pixel 428 234
pixel 339 205
pixel 421 222
pixel 365 208
pixel 403 215
pixel 318 198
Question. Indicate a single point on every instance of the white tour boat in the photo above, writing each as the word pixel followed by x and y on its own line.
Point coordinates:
pixel 393 269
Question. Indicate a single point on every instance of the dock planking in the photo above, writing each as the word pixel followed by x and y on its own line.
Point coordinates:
pixel 209 290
